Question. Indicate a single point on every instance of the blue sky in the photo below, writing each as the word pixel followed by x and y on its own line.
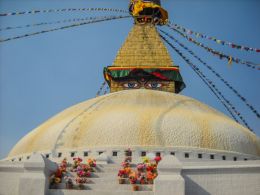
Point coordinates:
pixel 44 74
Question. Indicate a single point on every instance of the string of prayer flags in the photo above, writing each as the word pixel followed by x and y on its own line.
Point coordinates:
pixel 47 23
pixel 221 55
pixel 210 84
pixel 242 98
pixel 101 89
pixel 218 41
pixel 62 10
pixel 106 90
pixel 64 27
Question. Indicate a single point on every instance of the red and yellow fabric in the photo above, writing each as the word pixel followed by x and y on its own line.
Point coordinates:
pixel 164 73
pixel 139 5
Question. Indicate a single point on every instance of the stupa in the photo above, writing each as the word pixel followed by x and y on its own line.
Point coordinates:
pixel 144 112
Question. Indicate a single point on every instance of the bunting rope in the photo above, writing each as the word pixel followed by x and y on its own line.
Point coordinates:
pixel 218 41
pixel 215 73
pixel 106 90
pixel 217 53
pixel 212 90
pixel 64 27
pixel 47 23
pixel 208 82
pixel 62 10
pixel 101 89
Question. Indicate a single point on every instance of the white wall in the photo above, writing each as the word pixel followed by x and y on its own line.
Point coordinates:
pixel 200 178
pixel 237 179
pixel 10 174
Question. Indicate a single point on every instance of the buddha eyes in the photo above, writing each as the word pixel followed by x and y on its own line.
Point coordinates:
pixel 153 85
pixel 131 85
pixel 137 85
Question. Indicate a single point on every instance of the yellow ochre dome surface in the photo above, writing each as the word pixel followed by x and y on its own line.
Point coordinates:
pixel 139 118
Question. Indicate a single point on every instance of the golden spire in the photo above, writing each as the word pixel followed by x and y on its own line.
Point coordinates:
pixel 143 61
pixel 143 47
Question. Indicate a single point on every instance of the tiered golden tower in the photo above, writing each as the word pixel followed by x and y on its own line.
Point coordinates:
pixel 143 61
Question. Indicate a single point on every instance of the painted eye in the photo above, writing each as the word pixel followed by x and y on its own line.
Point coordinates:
pixel 154 85
pixel 131 85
